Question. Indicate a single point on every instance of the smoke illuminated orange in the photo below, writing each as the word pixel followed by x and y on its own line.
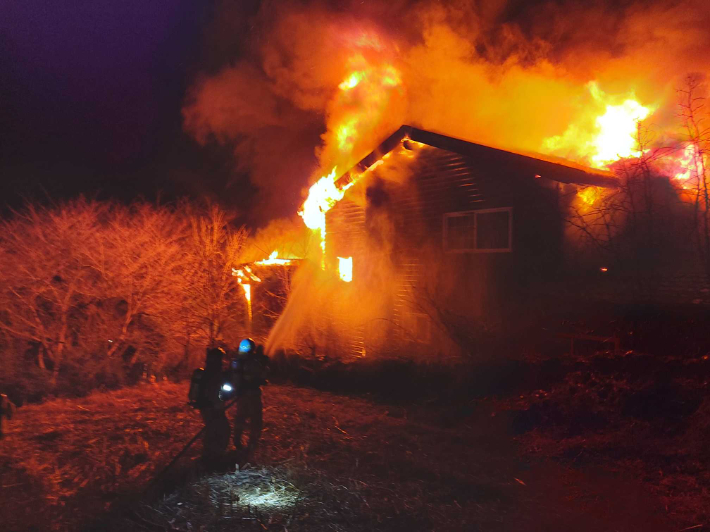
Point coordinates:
pixel 363 97
pixel 346 135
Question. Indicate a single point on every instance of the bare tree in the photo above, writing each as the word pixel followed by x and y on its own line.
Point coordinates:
pixel 47 276
pixel 142 261
pixel 213 299
pixel 694 116
pixel 631 226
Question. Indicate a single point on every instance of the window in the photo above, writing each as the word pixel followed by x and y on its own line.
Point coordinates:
pixel 484 231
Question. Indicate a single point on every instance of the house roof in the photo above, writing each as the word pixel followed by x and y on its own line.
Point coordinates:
pixel 535 164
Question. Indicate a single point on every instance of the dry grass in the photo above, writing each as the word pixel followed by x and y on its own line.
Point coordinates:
pixel 327 462
pixel 646 418
pixel 67 459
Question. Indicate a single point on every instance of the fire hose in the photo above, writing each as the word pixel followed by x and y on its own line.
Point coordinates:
pixel 172 462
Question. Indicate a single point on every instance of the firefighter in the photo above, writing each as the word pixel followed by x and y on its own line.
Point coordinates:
pixel 7 410
pixel 211 406
pixel 250 369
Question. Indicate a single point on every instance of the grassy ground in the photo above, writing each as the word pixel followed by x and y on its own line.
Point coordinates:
pixel 648 417
pixel 327 462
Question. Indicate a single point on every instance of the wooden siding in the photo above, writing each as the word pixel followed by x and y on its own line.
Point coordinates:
pixel 345 237
pixel 440 182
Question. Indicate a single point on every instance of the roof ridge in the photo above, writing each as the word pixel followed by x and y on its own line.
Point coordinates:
pixel 556 168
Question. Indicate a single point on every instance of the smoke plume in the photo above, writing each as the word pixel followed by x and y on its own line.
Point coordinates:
pixel 509 74
pixel 314 85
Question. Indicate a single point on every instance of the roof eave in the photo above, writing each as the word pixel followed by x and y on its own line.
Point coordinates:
pixel 563 171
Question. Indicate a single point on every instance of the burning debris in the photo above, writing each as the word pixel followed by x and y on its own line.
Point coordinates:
pixel 274 260
pixel 247 277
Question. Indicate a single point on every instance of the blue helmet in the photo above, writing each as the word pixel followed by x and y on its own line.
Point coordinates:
pixel 246 346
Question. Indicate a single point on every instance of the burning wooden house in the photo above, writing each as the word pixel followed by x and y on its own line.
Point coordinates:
pixel 450 235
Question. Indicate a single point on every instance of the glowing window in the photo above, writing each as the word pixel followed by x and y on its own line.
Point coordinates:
pixel 482 231
pixel 345 268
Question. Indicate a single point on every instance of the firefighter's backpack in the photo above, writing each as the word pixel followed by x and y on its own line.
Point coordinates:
pixel 196 397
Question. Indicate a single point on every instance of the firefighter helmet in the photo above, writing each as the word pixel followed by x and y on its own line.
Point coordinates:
pixel 246 346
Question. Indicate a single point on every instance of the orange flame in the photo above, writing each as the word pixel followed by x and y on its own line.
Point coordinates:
pixel 611 136
pixel 245 276
pixel 360 104
pixel 346 135
pixel 690 167
pixel 322 195
pixel 321 198
pixel 616 137
pixel 273 260
pixel 364 98
pixel 352 81
pixel 590 195
pixel 247 291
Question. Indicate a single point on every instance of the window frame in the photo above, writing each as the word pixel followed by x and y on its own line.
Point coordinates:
pixel 475 249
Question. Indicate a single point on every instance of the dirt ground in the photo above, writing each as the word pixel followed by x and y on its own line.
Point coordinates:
pixel 327 462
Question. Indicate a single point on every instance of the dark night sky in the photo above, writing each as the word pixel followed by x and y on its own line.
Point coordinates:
pixel 91 91
pixel 90 99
